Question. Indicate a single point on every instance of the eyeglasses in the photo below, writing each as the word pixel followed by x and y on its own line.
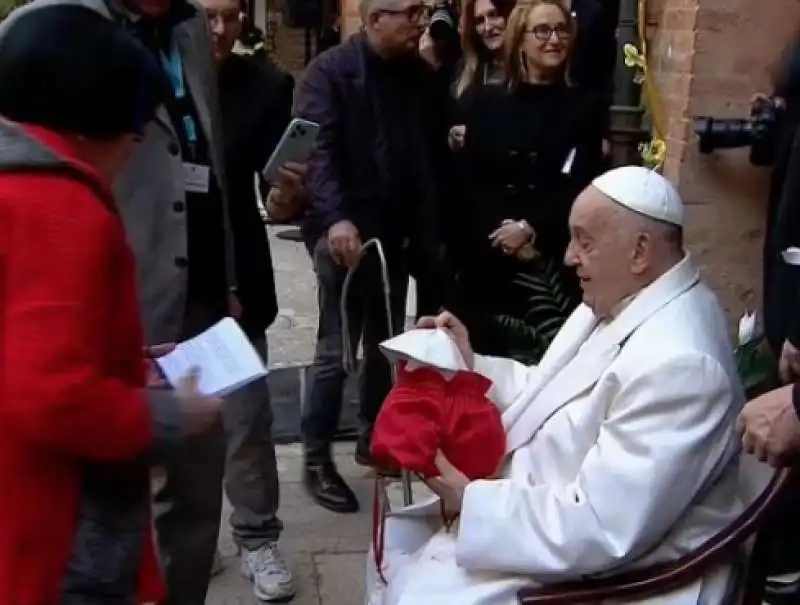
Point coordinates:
pixel 416 12
pixel 228 17
pixel 543 32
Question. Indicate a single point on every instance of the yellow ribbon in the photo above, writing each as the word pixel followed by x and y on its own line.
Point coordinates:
pixel 654 152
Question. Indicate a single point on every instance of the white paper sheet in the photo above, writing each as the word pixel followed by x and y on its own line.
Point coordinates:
pixel 226 360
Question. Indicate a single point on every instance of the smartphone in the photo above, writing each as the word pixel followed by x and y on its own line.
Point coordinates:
pixel 295 146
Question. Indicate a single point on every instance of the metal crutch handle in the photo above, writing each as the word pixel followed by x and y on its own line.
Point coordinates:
pixel 348 351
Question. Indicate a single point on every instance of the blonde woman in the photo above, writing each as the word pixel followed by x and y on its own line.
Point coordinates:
pixel 531 147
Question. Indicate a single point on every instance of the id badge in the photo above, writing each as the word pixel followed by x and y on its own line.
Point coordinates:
pixel 196 177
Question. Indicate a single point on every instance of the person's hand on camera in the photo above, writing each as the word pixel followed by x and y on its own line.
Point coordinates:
pixel 760 98
pixel 199 411
pixel 457 330
pixel 344 243
pixel 456 137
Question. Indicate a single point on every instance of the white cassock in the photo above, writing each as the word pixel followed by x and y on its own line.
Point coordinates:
pixel 622 448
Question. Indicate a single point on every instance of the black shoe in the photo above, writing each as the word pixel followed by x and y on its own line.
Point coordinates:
pixel 364 457
pixel 326 486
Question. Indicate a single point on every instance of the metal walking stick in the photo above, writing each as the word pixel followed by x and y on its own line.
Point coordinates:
pixel 349 352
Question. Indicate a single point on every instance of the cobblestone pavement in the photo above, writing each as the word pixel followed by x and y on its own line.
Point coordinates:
pixel 327 551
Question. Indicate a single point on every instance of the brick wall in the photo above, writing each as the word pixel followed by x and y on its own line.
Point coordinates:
pixel 711 56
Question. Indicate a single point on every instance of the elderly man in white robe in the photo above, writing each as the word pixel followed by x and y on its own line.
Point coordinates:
pixel 621 443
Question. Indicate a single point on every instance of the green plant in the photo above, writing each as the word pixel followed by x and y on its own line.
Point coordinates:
pixel 756 367
pixel 549 305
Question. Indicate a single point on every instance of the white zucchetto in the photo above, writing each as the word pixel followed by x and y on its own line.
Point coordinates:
pixel 644 191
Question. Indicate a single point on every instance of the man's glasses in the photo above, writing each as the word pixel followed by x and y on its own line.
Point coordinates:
pixel 543 32
pixel 412 13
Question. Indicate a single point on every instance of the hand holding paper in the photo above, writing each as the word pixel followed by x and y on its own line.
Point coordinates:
pixel 223 355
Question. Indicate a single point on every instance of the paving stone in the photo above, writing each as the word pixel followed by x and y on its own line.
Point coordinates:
pixel 341 578
pixel 311 528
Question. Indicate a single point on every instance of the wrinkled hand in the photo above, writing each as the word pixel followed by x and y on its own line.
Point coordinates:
pixel 344 243
pixel 457 330
pixel 456 137
pixel 770 428
pixel 235 308
pixel 449 485
pixel 789 363
pixel 199 411
pixel 512 235
pixel 154 378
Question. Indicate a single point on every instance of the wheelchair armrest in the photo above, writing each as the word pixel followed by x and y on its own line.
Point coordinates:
pixel 664 577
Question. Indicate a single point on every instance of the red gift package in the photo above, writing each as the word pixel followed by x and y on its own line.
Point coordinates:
pixel 427 411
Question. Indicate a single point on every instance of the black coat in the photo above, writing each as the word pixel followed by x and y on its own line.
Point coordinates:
pixel 351 169
pixel 515 166
pixel 256 102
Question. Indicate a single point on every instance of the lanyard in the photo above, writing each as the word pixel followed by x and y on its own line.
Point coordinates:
pixel 174 67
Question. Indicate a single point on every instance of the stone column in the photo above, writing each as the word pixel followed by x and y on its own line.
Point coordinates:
pixel 709 57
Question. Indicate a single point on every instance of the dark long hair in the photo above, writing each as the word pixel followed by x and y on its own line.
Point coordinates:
pixel 472 47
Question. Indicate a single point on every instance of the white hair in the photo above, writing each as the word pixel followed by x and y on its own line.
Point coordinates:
pixel 367 7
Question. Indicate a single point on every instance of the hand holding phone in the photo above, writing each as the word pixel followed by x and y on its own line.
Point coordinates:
pixel 295 146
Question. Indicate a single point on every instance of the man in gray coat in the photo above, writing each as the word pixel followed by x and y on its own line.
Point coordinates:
pixel 172 197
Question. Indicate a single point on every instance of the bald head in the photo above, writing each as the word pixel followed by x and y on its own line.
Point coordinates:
pixel 616 251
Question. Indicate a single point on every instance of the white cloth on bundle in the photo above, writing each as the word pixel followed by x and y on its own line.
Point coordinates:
pixel 425 347
pixel 621 453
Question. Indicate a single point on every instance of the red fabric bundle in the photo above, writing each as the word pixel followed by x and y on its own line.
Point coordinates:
pixel 426 412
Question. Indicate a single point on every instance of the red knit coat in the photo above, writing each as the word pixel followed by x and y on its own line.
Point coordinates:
pixel 71 367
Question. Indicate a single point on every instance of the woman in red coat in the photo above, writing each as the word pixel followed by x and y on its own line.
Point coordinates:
pixel 77 426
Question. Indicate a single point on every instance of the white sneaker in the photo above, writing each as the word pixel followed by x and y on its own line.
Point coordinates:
pixel 269 573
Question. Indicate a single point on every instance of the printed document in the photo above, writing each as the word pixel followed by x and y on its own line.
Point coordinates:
pixel 224 356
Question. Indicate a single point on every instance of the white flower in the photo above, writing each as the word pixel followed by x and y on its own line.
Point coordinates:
pixel 749 328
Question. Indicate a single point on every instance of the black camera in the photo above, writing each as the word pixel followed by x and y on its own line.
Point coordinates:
pixel 758 132
pixel 443 25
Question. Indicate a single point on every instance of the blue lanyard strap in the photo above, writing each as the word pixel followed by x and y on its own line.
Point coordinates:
pixel 173 65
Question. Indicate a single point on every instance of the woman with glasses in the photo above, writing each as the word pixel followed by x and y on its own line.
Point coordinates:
pixel 530 147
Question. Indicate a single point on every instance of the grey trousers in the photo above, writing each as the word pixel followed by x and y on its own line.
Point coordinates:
pixel 251 469
pixel 188 497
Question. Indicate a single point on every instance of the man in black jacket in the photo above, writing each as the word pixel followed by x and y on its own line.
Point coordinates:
pixel 256 102
pixel 370 176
